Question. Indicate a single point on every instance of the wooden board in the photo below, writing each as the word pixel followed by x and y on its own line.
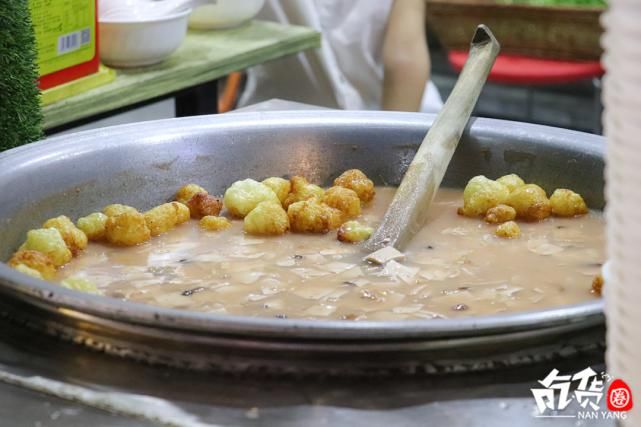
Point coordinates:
pixel 203 57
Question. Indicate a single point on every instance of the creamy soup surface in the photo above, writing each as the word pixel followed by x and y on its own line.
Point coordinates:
pixel 457 267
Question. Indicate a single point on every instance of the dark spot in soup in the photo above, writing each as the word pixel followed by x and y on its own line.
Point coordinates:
pixel 190 292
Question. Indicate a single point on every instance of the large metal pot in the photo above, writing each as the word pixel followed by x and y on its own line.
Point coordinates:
pixel 143 164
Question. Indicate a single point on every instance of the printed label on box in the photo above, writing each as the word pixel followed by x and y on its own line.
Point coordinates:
pixel 65 32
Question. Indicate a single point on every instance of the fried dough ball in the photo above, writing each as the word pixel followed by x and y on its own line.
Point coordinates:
pixel 481 194
pixel 28 271
pixel 117 209
pixel 356 180
pixel 35 260
pixel 202 204
pixel 268 218
pixel 74 237
pixel 79 284
pixel 499 214
pixel 243 196
pixel 354 232
pixel 530 202
pixel 280 186
pixel 567 203
pixel 127 229
pixel 188 191
pixel 508 230
pixel 49 241
pixel 302 190
pixel 511 181
pixel 161 218
pixel 93 225
pixel 597 285
pixel 343 199
pixel 214 223
pixel 313 217
pixel 182 212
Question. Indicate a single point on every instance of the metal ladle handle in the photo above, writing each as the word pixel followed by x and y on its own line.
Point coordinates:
pixel 407 213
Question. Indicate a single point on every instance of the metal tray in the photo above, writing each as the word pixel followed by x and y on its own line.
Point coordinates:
pixel 142 164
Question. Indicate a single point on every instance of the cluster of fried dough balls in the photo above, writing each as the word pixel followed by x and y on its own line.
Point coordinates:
pixel 302 190
pixel 509 198
pixel 356 180
pixel 354 232
pixel 267 219
pixel 481 194
pixel 59 239
pixel 276 205
pixel 49 248
pixel 243 196
pixel 214 223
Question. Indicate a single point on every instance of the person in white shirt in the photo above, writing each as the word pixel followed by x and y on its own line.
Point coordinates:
pixel 374 55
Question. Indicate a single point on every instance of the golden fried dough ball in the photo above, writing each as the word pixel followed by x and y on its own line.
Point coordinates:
pixel 74 237
pixel 508 230
pixel 182 212
pixel 280 186
pixel 243 196
pixel 530 202
pixel 34 260
pixel 356 180
pixel 481 194
pixel 354 232
pixel 202 204
pixel 499 214
pixel 313 217
pixel 49 241
pixel 28 271
pixel 187 192
pixel 597 285
pixel 302 190
pixel 80 284
pixel 343 199
pixel 117 209
pixel 511 181
pixel 161 218
pixel 127 229
pixel 93 225
pixel 567 203
pixel 268 218
pixel 214 223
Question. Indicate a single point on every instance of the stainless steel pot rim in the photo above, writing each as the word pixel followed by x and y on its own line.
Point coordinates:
pixel 55 297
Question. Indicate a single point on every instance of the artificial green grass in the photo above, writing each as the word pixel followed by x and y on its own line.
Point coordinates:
pixel 20 114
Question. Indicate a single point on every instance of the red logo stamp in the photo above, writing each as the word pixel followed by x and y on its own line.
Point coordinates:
pixel 619 396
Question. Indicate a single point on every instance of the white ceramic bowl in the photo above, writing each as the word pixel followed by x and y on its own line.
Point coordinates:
pixel 138 42
pixel 224 14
